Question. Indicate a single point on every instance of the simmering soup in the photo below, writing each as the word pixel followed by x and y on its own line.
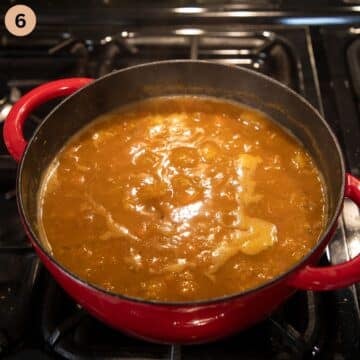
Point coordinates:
pixel 181 198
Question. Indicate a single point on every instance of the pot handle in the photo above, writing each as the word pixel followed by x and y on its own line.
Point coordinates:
pixel 13 126
pixel 337 276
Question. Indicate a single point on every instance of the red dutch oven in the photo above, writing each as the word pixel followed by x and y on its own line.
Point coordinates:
pixel 180 322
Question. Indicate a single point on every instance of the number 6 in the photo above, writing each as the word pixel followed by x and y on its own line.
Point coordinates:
pixel 20 20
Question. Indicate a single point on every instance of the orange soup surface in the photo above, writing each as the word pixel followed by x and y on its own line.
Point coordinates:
pixel 181 198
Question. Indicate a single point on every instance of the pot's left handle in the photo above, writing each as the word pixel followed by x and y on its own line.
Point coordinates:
pixel 336 276
pixel 13 126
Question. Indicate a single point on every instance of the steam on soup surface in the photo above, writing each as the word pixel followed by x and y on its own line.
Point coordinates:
pixel 181 198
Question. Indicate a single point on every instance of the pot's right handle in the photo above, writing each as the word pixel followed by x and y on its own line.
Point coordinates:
pixel 13 127
pixel 337 276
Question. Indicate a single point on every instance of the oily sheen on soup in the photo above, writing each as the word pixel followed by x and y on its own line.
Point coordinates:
pixel 181 198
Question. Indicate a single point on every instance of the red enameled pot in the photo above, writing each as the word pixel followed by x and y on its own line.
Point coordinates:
pixel 86 99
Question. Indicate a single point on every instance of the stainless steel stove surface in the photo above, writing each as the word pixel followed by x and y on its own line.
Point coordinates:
pixel 38 320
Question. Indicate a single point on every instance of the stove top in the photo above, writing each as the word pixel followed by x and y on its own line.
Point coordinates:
pixel 38 320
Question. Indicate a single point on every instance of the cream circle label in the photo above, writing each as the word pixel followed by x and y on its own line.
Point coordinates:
pixel 20 20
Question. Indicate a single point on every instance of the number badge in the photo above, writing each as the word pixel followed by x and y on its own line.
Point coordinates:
pixel 20 20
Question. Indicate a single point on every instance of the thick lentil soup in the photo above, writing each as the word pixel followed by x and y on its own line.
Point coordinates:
pixel 181 198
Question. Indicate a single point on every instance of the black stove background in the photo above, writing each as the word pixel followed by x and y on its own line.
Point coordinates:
pixel 38 320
